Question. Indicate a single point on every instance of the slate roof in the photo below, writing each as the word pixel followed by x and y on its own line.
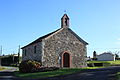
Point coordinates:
pixel 81 40
pixel 65 15
pixel 106 53
pixel 40 39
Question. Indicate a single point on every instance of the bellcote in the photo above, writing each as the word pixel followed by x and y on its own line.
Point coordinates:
pixel 65 21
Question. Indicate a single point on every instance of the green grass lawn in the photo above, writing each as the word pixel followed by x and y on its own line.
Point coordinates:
pixel 117 62
pixel 2 68
pixel 118 76
pixel 51 73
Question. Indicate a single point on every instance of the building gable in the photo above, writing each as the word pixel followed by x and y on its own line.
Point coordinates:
pixel 60 42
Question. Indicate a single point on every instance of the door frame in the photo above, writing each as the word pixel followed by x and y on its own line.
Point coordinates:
pixel 70 63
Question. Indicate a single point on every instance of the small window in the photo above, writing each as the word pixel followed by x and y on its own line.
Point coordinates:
pixel 34 49
pixel 25 52
pixel 66 21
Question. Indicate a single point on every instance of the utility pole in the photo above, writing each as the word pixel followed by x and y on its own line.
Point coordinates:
pixel 1 51
pixel 19 54
pixel 0 55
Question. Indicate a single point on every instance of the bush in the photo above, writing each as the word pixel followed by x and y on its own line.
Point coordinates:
pixel 45 69
pixel 28 66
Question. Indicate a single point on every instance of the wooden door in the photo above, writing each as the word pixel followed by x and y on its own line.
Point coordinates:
pixel 66 60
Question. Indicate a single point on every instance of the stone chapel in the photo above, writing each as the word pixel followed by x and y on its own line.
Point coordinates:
pixel 61 48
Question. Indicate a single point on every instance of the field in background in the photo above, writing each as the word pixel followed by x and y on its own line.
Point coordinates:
pixel 103 63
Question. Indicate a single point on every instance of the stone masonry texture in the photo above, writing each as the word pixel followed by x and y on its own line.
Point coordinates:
pixel 62 41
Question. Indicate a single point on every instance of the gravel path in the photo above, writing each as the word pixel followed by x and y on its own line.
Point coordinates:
pixel 7 74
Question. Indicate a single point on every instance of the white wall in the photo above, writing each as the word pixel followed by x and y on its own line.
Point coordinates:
pixel 105 57
pixel 30 55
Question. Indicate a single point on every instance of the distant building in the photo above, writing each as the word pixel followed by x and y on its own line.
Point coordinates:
pixel 8 60
pixel 106 57
pixel 61 48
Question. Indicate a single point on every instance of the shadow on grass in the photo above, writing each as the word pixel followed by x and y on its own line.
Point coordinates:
pixel 47 74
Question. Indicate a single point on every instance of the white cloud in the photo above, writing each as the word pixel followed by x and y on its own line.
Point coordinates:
pixel 119 39
pixel 117 43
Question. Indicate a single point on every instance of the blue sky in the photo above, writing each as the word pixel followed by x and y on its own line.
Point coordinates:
pixel 96 21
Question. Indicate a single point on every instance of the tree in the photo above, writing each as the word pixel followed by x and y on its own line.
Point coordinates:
pixel 116 53
pixel 94 54
pixel 116 56
pixel 19 54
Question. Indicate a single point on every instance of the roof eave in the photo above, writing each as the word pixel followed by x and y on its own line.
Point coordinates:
pixel 41 38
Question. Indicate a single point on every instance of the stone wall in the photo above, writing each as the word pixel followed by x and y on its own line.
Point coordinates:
pixel 30 55
pixel 62 41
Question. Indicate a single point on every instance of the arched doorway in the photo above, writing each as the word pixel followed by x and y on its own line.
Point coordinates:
pixel 66 60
